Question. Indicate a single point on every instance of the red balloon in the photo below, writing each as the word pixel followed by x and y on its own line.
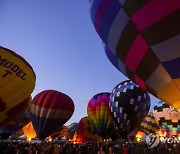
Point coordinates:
pixel 49 110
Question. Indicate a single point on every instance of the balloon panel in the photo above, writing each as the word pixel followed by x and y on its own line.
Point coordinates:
pixel 17 81
pixel 144 36
pixel 29 131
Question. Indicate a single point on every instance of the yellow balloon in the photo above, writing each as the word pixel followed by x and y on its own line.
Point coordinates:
pixel 29 131
pixel 17 81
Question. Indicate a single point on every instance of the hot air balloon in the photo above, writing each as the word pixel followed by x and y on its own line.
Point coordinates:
pixel 85 132
pixel 168 118
pixel 17 82
pixel 144 36
pixel 49 110
pixel 129 106
pixel 72 129
pixel 14 125
pixel 16 118
pixel 149 124
pixel 99 114
pixel 29 131
pixel 60 133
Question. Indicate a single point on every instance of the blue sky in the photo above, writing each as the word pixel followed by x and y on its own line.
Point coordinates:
pixel 58 39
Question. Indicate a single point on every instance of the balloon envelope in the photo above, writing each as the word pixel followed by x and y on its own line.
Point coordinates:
pixel 168 118
pixel 149 124
pixel 129 106
pixel 85 132
pixel 49 110
pixel 17 82
pixel 72 128
pixel 144 36
pixel 29 131
pixel 99 114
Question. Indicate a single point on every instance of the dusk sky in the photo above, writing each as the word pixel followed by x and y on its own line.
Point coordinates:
pixel 58 39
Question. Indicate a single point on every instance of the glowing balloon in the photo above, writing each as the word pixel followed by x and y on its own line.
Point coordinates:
pixel 29 131
pixel 49 110
pixel 85 132
pixel 72 129
pixel 144 36
pixel 99 114
pixel 168 118
pixel 17 81
pixel 129 106
pixel 149 124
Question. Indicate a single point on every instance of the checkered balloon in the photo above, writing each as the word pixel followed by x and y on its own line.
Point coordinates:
pixel 168 118
pixel 142 41
pixel 129 106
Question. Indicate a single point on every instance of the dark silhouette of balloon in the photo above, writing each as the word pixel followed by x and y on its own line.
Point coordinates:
pixel 168 118
pixel 72 128
pixel 129 106
pixel 17 82
pixel 144 37
pixel 149 124
pixel 99 114
pixel 49 110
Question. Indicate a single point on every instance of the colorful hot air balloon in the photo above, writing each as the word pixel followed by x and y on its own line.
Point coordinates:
pixel 60 133
pixel 85 132
pixel 129 106
pixel 144 36
pixel 17 82
pixel 149 124
pixel 16 118
pixel 99 114
pixel 168 118
pixel 72 128
pixel 14 125
pixel 49 110
pixel 29 131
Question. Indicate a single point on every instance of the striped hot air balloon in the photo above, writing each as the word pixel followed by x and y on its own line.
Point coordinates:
pixel 17 82
pixel 143 42
pixel 168 118
pixel 99 114
pixel 85 132
pixel 49 110
pixel 129 106
pixel 149 124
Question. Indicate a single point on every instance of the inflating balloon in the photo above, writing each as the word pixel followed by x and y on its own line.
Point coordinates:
pixel 129 106
pixel 149 124
pixel 49 110
pixel 168 118
pixel 72 129
pixel 144 36
pixel 85 132
pixel 29 131
pixel 17 82
pixel 99 114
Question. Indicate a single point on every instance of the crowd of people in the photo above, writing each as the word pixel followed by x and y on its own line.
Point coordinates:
pixel 44 147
